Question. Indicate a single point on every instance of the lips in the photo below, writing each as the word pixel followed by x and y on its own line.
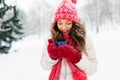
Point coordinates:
pixel 65 32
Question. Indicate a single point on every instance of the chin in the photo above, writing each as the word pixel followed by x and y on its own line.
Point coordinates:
pixel 65 33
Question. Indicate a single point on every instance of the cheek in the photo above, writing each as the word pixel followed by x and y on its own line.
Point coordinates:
pixel 59 27
pixel 70 26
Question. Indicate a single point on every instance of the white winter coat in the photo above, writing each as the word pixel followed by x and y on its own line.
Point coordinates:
pixel 87 63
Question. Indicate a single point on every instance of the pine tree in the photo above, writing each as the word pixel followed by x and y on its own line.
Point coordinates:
pixel 10 26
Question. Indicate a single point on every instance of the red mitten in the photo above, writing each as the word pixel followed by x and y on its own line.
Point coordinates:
pixel 52 49
pixel 68 52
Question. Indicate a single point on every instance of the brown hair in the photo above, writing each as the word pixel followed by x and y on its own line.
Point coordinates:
pixel 77 34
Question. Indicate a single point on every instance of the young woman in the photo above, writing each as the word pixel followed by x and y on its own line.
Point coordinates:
pixel 69 48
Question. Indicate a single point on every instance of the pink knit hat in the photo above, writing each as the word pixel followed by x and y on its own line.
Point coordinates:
pixel 67 10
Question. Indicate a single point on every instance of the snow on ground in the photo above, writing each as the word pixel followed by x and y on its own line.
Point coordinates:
pixel 23 61
pixel 108 51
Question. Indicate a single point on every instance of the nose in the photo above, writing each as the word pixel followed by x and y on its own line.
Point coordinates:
pixel 64 27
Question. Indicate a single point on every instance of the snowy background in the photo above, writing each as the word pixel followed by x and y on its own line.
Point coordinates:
pixel 23 60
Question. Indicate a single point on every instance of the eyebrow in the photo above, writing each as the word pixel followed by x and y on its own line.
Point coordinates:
pixel 59 21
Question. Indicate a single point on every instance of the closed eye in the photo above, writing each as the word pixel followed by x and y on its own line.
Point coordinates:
pixel 69 23
pixel 59 23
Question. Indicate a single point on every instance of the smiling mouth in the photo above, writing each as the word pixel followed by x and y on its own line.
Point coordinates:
pixel 65 32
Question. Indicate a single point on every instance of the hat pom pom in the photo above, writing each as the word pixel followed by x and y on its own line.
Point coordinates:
pixel 74 1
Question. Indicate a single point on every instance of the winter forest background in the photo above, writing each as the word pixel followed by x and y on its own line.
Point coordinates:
pixel 102 18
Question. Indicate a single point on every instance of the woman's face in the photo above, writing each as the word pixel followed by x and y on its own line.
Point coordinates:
pixel 64 26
